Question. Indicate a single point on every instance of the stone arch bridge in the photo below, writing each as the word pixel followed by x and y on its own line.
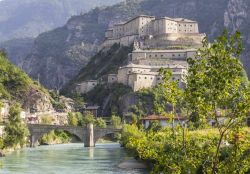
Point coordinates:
pixel 88 135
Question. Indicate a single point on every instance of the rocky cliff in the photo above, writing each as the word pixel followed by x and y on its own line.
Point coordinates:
pixel 16 86
pixel 57 56
pixel 236 17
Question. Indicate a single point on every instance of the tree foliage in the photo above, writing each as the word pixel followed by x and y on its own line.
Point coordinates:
pixel 15 130
pixel 116 121
pixel 217 90
pixel 78 119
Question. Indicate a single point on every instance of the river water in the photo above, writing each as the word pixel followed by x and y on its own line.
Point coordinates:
pixel 67 159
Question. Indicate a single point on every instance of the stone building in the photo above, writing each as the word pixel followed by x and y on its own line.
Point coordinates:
pixel 158 43
pixel 4 110
pixel 163 120
pixel 144 26
pixel 86 86
pixel 144 76
pixel 112 78
pixel 161 57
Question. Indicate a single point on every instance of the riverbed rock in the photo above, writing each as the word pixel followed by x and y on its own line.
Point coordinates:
pixel 2 154
pixel 132 164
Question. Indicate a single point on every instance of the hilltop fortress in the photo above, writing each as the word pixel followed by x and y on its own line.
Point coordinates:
pixel 158 43
pixel 154 32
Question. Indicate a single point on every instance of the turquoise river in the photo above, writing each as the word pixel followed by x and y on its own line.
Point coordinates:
pixel 67 159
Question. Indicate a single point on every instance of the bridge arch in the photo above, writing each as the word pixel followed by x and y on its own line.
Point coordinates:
pixel 88 135
pixel 37 131
pixel 100 133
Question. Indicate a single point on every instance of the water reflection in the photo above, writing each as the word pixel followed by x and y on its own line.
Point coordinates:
pixel 67 159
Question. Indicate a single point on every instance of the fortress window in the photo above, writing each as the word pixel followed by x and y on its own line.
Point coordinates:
pixel 173 78
pixel 150 56
pixel 173 55
pixel 156 55
pixel 158 78
pixel 179 55
pixel 161 55
pixel 191 25
pixel 145 77
pixel 151 78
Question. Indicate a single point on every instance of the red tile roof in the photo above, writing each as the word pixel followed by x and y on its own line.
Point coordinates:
pixel 158 117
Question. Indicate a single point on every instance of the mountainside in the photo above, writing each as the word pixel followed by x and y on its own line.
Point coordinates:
pixel 58 55
pixel 16 86
pixel 28 18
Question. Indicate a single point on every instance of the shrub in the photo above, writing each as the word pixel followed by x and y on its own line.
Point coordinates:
pixel 116 121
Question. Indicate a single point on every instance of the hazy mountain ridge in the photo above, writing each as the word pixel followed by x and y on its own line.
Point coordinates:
pixel 28 18
pixel 58 55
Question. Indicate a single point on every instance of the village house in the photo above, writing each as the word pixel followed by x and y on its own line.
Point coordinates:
pixel 163 120
pixel 4 111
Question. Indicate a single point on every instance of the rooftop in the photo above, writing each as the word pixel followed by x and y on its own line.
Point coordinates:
pixel 158 117
pixel 87 81
pixel 92 107
pixel 147 16
pixel 165 51
pixel 131 65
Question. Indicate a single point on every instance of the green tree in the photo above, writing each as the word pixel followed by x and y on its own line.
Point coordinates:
pixel 216 83
pixel 72 119
pixel 116 121
pixel 15 130
pixel 46 119
pixel 166 93
pixel 99 122
pixel 88 118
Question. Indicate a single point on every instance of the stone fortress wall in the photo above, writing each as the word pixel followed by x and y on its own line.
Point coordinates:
pixel 158 43
pixel 177 31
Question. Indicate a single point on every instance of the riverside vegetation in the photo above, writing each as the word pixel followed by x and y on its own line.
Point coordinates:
pixel 15 130
pixel 216 86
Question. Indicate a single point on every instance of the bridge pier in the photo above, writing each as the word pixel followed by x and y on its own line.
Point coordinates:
pixel 89 140
pixel 33 141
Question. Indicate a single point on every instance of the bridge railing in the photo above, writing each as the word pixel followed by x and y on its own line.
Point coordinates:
pixel 69 126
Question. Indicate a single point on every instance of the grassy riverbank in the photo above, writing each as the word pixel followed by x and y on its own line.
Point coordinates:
pixel 182 150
